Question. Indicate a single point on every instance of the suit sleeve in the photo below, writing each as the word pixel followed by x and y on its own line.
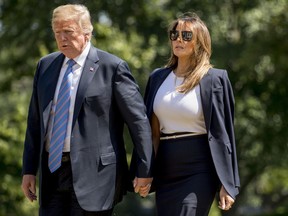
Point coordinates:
pixel 146 99
pixel 133 110
pixel 33 133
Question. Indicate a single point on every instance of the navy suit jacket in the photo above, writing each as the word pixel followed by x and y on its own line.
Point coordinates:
pixel 218 108
pixel 107 97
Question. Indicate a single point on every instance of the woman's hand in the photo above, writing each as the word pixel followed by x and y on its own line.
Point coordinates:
pixel 226 201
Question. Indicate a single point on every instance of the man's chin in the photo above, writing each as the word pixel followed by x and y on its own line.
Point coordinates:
pixel 67 53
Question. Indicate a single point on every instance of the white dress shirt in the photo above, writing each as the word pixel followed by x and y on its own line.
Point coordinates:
pixel 77 71
pixel 178 112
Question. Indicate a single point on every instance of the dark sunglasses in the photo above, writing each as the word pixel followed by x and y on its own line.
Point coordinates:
pixel 186 35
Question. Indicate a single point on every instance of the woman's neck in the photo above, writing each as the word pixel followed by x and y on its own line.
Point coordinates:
pixel 182 68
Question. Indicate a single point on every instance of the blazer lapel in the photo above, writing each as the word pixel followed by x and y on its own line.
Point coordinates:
pixel 161 76
pixel 206 97
pixel 89 70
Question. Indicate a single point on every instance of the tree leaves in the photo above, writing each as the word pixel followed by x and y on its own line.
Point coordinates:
pixel 249 40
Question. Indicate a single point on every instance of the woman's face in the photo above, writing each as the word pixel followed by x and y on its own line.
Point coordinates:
pixel 183 48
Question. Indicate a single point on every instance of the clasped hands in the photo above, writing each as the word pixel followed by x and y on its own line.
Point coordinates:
pixel 142 186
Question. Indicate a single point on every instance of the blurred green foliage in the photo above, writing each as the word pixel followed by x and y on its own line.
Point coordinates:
pixel 249 40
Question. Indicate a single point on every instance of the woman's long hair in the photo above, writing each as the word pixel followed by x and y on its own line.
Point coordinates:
pixel 200 58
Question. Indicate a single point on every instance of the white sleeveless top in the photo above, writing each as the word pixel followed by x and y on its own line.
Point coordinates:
pixel 178 112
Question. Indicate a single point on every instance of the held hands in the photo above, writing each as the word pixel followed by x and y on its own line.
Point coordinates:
pixel 142 186
pixel 226 201
pixel 29 187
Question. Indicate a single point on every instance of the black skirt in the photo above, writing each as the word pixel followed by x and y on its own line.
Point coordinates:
pixel 185 177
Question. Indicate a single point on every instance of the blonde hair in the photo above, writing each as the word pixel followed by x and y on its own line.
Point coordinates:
pixel 200 58
pixel 77 12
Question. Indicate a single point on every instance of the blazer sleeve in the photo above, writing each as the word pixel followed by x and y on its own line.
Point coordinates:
pixel 229 104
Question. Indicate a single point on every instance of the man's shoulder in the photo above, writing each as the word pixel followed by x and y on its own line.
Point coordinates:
pixel 105 56
pixel 50 57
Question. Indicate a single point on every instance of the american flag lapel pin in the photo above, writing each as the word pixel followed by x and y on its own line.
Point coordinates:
pixel 91 69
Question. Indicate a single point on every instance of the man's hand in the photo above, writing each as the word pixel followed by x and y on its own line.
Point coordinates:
pixel 29 187
pixel 142 186
pixel 226 201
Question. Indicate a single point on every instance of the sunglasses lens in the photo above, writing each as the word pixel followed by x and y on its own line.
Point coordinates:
pixel 174 35
pixel 187 35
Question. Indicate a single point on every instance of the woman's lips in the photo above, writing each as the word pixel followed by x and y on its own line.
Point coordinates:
pixel 179 47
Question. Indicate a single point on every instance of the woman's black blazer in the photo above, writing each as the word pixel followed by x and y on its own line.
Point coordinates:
pixel 218 107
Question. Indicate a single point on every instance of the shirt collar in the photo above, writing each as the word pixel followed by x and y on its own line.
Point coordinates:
pixel 80 60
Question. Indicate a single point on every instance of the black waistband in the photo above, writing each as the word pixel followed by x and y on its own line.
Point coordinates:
pixel 174 134
pixel 65 156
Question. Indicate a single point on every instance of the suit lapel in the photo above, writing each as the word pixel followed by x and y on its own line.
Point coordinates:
pixel 48 80
pixel 47 84
pixel 206 97
pixel 89 70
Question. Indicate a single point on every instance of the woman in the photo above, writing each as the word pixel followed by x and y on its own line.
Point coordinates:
pixel 191 110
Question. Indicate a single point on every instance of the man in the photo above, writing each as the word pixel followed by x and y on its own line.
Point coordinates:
pixel 81 98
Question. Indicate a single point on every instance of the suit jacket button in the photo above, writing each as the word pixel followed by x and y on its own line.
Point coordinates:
pixel 210 138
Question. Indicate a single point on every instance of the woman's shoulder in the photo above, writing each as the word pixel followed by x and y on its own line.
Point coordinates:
pixel 218 73
pixel 160 71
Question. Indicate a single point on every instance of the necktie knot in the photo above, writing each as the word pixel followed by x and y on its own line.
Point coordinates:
pixel 71 63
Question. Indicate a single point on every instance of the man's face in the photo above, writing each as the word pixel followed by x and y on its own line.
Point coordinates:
pixel 71 40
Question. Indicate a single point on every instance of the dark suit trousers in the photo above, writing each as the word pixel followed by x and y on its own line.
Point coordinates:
pixel 62 199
